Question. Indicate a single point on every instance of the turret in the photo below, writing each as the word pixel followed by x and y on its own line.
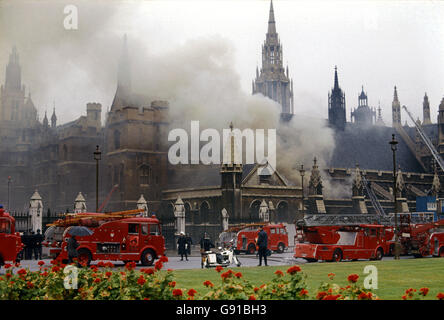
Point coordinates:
pixel 426 110
pixel 396 109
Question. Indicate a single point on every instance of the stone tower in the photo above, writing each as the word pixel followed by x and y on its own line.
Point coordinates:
pixel 363 115
pixel 136 156
pixel 441 128
pixel 53 119
pixel 336 106
pixel 273 79
pixel 426 110
pixel 396 110
pixel 231 178
pixel 379 120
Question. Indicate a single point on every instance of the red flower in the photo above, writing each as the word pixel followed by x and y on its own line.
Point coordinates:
pixel 108 274
pixel 101 264
pixel 321 295
pixel 293 270
pixel 148 271
pixel 8 275
pixel 94 267
pixel 158 265
pixel 8 265
pixel 163 259
pixel 170 270
pixel 17 264
pixel 279 273
pixel 365 296
pixel 440 296
pixel 172 284
pixel 404 297
pixel 141 281
pixel 331 275
pixel 219 269
pixel 41 263
pixel 303 293
pixel 45 274
pixel 109 265
pixel 353 278
pixel 21 271
pixel 256 289
pixel 30 285
pixel 192 292
pixel 226 275
pixel 177 293
pixel 238 275
pixel 252 297
pixel 97 280
pixel 130 265
pixel 208 283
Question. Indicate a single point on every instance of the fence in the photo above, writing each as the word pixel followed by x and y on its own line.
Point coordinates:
pixel 23 220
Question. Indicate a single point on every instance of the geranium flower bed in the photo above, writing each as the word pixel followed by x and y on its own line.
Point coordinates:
pixel 103 282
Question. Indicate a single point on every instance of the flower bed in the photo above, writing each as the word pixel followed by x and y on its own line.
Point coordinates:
pixel 102 282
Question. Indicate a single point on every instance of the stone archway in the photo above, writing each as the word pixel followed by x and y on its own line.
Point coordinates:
pixel 282 211
pixel 254 210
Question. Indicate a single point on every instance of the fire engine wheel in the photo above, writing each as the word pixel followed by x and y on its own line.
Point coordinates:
pixel 84 256
pixel 441 252
pixel 280 248
pixel 148 257
pixel 337 255
pixel 251 249
pixel 379 254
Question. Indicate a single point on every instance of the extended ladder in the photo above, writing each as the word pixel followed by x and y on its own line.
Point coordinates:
pixel 427 141
pixel 373 199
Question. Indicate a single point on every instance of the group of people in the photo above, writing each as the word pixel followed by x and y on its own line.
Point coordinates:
pixel 32 245
pixel 184 243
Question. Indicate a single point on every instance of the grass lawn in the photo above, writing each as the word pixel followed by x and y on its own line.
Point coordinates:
pixel 394 277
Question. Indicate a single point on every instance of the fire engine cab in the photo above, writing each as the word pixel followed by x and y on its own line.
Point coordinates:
pixel 336 243
pixel 113 237
pixel 10 241
pixel 244 237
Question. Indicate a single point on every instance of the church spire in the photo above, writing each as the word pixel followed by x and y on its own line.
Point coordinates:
pixel 396 109
pixel 13 79
pixel 271 21
pixel 426 110
pixel 53 118
pixel 336 79
pixel 123 91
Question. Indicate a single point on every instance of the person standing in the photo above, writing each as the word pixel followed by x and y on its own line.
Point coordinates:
pixel 182 246
pixel 38 245
pixel 205 245
pixel 189 243
pixel 262 243
pixel 72 249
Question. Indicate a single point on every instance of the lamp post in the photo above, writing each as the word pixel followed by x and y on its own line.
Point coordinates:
pixel 393 144
pixel 97 157
pixel 302 172
pixel 9 182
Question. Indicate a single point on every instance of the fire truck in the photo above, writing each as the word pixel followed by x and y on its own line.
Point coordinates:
pixel 421 239
pixel 114 236
pixel 244 237
pixel 10 241
pixel 346 242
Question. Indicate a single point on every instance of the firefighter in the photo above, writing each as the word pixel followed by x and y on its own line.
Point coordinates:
pixel 205 245
pixel 72 249
pixel 38 245
pixel 182 246
pixel 189 243
pixel 262 243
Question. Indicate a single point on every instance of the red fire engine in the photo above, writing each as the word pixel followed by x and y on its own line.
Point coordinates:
pixel 10 241
pixel 422 239
pixel 336 243
pixel 245 236
pixel 114 236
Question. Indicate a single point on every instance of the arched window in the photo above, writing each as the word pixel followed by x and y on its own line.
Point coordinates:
pixel 145 175
pixel 254 210
pixel 204 212
pixel 282 211
pixel 188 216
pixel 116 139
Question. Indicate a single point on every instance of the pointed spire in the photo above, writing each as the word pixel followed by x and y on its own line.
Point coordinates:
pixel 336 78
pixel 45 120
pixel 271 21
pixel 53 117
pixel 395 95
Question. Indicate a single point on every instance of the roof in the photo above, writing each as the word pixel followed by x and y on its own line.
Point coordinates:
pixel 369 147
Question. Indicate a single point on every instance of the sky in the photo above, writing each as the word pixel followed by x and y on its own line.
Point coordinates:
pixel 375 44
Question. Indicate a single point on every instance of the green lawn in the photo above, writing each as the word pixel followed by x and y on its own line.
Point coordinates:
pixel 394 277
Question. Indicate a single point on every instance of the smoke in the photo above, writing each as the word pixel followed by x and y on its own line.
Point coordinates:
pixel 198 77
